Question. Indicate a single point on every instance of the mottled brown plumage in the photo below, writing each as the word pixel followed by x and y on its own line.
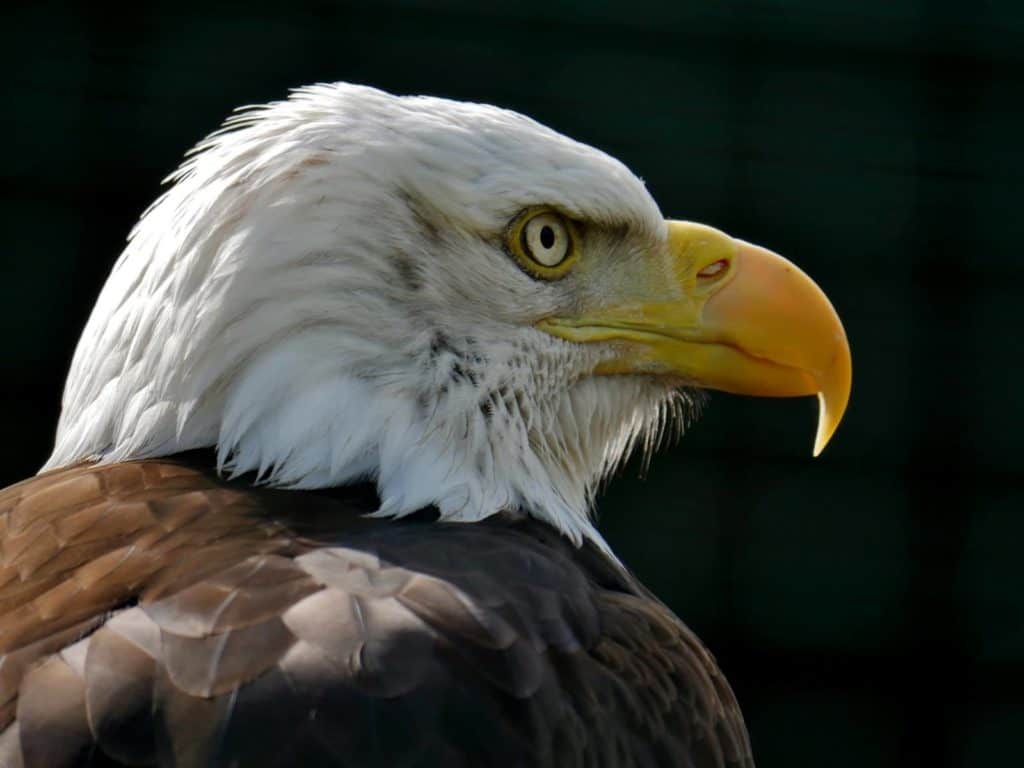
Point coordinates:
pixel 154 614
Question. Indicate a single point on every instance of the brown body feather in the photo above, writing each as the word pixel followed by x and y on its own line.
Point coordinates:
pixel 154 614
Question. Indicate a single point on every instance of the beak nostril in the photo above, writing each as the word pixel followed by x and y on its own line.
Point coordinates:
pixel 714 269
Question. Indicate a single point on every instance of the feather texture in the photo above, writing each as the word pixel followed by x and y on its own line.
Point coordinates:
pixel 230 625
pixel 323 295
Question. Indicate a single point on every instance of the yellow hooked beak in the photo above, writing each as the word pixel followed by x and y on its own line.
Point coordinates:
pixel 732 317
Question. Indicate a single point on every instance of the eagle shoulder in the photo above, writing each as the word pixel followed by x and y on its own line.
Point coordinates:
pixel 152 613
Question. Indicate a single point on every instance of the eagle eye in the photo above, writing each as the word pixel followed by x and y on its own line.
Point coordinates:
pixel 543 242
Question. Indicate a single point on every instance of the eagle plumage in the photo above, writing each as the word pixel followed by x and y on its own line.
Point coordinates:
pixel 156 614
pixel 321 485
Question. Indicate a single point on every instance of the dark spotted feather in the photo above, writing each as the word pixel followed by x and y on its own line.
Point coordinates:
pixel 153 614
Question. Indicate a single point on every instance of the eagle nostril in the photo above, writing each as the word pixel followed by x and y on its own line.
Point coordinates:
pixel 714 269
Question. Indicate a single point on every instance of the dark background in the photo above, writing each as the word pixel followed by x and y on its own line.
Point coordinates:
pixel 868 606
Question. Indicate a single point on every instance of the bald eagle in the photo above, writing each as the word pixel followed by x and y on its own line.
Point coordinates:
pixel 321 487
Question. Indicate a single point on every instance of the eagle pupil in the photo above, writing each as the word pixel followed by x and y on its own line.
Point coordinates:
pixel 547 237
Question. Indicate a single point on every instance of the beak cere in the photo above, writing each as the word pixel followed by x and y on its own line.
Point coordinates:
pixel 733 317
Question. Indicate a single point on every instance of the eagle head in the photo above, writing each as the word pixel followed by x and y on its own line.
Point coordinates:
pixel 449 299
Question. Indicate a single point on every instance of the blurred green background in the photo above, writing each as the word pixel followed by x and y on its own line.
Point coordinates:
pixel 868 606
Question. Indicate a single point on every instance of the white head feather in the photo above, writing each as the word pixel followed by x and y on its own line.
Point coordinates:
pixel 322 295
